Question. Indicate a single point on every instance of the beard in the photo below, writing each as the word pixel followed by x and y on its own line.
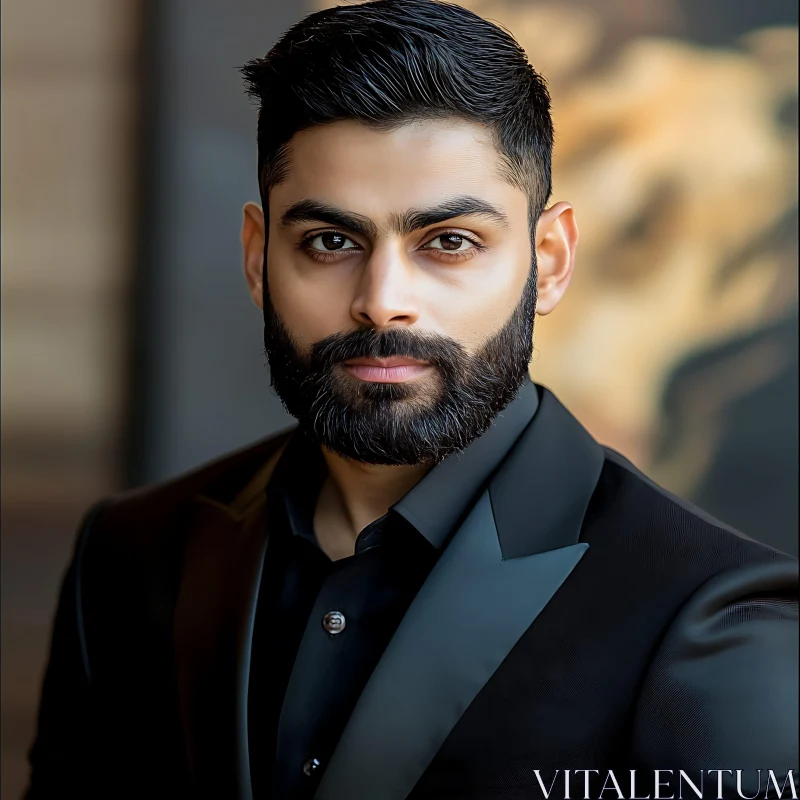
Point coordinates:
pixel 419 421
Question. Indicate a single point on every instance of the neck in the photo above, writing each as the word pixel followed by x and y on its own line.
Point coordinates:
pixel 356 494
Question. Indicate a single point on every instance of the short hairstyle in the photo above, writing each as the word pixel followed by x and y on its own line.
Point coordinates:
pixel 388 62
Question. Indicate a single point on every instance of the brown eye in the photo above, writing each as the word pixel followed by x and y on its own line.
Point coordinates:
pixel 451 241
pixel 332 241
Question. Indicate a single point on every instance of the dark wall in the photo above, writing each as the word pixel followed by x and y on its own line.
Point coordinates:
pixel 200 384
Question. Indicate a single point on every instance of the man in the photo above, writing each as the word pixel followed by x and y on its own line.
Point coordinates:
pixel 438 585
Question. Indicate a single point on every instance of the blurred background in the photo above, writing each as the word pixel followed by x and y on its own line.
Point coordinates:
pixel 131 350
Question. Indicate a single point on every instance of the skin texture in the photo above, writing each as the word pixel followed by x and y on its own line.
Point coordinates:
pixel 386 276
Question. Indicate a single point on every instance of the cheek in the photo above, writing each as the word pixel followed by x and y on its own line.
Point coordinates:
pixel 311 306
pixel 481 304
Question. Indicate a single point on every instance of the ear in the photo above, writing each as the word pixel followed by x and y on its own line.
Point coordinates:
pixel 253 239
pixel 556 242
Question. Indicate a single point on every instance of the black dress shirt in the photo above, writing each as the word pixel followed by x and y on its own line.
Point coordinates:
pixel 308 669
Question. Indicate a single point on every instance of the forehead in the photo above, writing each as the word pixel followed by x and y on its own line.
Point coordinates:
pixel 379 172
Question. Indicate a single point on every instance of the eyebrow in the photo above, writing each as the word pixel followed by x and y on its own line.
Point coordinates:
pixel 312 211
pixel 409 221
pixel 415 219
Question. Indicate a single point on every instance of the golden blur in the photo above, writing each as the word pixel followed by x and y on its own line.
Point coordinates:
pixel 680 173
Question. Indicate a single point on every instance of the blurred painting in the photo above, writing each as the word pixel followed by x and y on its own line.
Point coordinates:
pixel 676 142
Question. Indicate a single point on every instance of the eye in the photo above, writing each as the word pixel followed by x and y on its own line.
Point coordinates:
pixel 330 242
pixel 452 242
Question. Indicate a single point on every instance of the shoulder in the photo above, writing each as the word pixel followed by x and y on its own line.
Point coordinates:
pixel 676 558
pixel 631 510
pixel 721 683
pixel 141 517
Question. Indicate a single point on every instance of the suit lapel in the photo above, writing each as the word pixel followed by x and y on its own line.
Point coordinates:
pixel 213 629
pixel 462 624
pixel 512 553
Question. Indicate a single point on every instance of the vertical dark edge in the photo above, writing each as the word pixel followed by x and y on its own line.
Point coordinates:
pixel 137 380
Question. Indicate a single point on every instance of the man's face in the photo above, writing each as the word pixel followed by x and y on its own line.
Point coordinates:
pixel 400 299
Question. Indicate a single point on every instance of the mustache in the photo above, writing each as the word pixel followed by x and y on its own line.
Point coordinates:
pixel 440 351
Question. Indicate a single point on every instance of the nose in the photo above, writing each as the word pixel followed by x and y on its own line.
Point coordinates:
pixel 385 296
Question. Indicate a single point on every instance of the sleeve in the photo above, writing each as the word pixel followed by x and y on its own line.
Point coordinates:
pixel 61 755
pixel 720 700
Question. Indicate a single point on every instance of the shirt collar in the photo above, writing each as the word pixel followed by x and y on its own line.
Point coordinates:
pixel 297 480
pixel 437 504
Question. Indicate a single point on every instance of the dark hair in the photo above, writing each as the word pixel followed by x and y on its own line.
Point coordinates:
pixel 387 62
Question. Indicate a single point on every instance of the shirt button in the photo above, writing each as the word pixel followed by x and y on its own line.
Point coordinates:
pixel 310 766
pixel 333 622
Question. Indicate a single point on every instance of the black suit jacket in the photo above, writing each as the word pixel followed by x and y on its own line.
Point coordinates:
pixel 581 618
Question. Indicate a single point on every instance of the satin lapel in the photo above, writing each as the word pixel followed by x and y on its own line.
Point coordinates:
pixel 541 493
pixel 462 624
pixel 471 611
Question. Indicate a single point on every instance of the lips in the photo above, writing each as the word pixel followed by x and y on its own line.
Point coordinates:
pixel 394 361
pixel 396 369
